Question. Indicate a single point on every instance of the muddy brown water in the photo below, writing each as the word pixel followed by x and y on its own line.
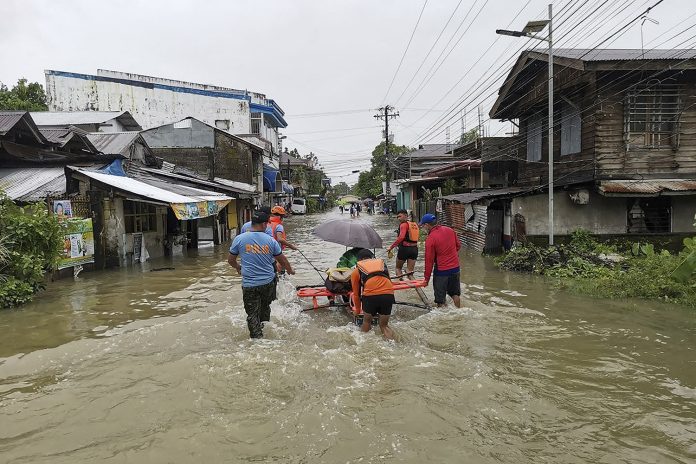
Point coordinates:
pixel 156 367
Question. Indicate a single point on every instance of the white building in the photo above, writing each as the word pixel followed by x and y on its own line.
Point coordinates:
pixel 154 101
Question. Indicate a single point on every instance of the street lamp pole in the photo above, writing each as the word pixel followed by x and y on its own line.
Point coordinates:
pixel 530 30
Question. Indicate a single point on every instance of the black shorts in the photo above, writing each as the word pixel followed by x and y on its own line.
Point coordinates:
pixel 446 285
pixel 378 304
pixel 407 252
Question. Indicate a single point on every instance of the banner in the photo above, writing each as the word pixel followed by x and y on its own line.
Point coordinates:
pixel 186 211
pixel 78 243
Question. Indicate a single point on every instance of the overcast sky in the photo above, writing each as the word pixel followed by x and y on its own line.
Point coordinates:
pixel 328 63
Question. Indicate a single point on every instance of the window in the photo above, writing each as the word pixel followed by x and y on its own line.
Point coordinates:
pixel 649 215
pixel 223 124
pixel 256 122
pixel 571 128
pixel 534 139
pixel 651 117
pixel 139 216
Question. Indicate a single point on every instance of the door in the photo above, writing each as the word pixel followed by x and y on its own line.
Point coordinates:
pixel 494 231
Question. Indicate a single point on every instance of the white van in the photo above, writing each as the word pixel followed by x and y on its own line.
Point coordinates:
pixel 299 206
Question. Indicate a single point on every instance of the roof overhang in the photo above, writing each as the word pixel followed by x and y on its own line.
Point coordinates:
pixel 647 188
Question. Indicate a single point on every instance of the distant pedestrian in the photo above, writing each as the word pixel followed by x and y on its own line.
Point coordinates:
pixel 358 208
pixel 373 292
pixel 407 243
pixel 441 253
pixel 258 253
pixel 340 208
pixel 352 210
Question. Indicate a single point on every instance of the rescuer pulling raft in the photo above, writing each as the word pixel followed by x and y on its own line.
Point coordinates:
pixel 342 283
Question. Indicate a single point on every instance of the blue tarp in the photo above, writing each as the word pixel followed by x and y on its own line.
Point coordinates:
pixel 114 169
pixel 269 178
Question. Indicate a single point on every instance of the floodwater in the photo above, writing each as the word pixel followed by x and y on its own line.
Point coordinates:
pixel 143 366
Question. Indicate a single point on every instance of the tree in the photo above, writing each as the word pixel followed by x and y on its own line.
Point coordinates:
pixel 370 182
pixel 469 136
pixel 23 96
pixel 342 188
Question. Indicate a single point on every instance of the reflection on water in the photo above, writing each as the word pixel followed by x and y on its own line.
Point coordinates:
pixel 139 366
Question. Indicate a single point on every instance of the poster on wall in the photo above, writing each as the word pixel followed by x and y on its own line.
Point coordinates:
pixel 62 209
pixel 78 243
pixel 201 209
pixel 137 246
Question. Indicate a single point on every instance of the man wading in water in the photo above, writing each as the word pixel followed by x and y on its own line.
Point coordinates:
pixel 373 292
pixel 258 253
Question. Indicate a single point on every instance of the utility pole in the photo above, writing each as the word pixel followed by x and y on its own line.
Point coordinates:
pixel 386 113
pixel 531 30
pixel 480 145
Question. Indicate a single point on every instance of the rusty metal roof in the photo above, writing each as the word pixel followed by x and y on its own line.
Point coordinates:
pixel 646 187
pixel 487 193
pixel 19 183
pixel 113 143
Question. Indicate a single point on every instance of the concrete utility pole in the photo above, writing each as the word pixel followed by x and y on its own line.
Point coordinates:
pixel 530 30
pixel 384 113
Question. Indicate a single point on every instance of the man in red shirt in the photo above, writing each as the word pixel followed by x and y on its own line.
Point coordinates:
pixel 407 241
pixel 442 252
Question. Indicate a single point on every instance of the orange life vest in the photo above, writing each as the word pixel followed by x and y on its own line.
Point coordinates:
pixel 370 268
pixel 413 232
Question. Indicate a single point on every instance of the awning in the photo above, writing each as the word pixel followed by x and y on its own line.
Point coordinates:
pixel 646 188
pixel 487 193
pixel 269 178
pixel 193 204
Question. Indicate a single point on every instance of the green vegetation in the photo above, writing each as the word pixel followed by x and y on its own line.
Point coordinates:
pixel 630 271
pixel 23 96
pixel 31 244
pixel 370 182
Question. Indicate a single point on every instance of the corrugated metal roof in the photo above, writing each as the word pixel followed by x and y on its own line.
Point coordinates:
pixel 646 187
pixel 153 189
pixel 112 143
pixel 54 188
pixel 621 54
pixel 18 183
pixel 8 119
pixel 490 193
pixel 76 118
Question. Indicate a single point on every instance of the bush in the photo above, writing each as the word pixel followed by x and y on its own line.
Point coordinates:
pixel 586 266
pixel 32 242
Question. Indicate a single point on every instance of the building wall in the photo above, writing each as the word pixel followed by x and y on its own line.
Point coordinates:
pixel 233 159
pixel 683 211
pixel 155 101
pixel 602 215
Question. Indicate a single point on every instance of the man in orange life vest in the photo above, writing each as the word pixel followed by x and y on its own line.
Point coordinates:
pixel 373 292
pixel 407 241
pixel 277 228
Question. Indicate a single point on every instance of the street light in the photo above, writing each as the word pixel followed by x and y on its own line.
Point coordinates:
pixel 530 30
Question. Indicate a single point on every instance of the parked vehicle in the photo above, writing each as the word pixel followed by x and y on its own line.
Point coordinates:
pixel 299 206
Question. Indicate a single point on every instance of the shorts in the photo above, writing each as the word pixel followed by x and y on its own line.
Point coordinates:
pixel 446 285
pixel 378 304
pixel 407 252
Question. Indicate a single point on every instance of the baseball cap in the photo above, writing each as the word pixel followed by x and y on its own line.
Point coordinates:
pixel 259 217
pixel 278 210
pixel 427 219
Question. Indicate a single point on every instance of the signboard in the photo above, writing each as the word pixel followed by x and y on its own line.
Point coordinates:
pixel 393 187
pixel 62 209
pixel 186 211
pixel 137 246
pixel 78 243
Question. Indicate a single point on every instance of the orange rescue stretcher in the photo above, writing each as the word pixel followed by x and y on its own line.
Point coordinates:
pixel 316 292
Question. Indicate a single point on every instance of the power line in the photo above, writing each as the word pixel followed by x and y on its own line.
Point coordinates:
pixel 404 54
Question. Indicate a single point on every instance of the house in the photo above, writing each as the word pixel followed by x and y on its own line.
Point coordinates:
pixel 426 157
pixel 156 101
pixel 206 152
pixel 624 154
pixel 290 167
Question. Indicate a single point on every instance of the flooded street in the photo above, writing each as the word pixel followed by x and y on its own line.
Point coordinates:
pixel 138 365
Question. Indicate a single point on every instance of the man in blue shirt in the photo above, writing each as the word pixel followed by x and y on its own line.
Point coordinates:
pixel 246 227
pixel 258 253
